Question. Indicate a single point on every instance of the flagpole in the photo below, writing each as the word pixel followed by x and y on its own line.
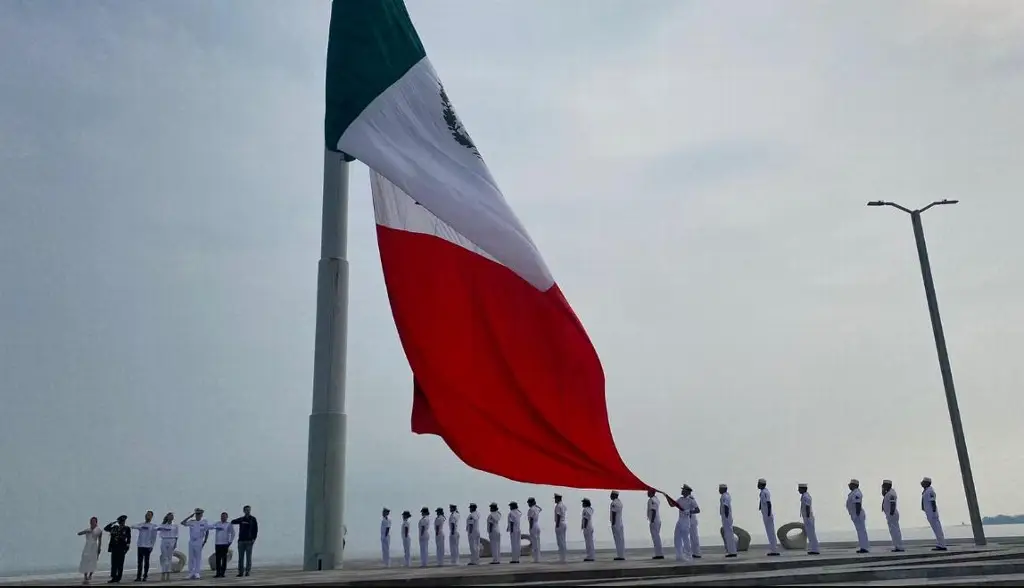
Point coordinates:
pixel 325 467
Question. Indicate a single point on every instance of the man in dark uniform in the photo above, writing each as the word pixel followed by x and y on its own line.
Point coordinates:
pixel 119 544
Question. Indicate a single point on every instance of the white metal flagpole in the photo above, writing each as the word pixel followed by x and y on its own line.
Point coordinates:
pixel 325 468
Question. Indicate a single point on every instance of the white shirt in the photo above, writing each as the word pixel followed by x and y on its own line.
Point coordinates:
pixel 805 506
pixel 560 516
pixel 405 528
pixel 927 498
pixel 653 504
pixel 147 534
pixel 225 533
pixel 197 530
pixel 513 521
pixel 168 531
pixel 725 501
pixel 765 497
pixel 689 503
pixel 533 516
pixel 889 503
pixel 683 513
pixel 588 519
pixel 385 527
pixel 615 508
pixel 494 522
pixel 473 523
pixel 453 523
pixel 439 525
pixel 425 527
pixel 854 498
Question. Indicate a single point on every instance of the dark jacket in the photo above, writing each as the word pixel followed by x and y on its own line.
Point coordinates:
pixel 247 528
pixel 120 537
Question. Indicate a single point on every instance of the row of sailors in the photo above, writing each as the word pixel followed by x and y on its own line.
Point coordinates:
pixel 686 536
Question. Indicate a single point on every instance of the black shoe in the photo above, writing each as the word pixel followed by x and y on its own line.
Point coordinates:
pixel 730 555
pixel 813 553
pixel 471 564
pixel 897 550
pixel 240 574
pixel 658 557
pixel 514 561
pixel 495 562
pixel 620 559
pixel 246 572
pixel 937 548
pixel 863 551
pixel 587 559
pixel 774 554
pixel 695 556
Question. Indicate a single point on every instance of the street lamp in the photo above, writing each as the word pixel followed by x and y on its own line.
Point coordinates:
pixel 947 372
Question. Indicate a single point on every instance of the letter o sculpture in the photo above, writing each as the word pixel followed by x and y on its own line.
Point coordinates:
pixel 742 537
pixel 788 541
pixel 525 549
pixel 212 560
pixel 178 561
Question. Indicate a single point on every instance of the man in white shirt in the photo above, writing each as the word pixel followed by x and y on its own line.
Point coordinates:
pixel 681 537
pixel 560 528
pixel 931 512
pixel 439 521
pixel 406 538
pixel 385 537
pixel 807 515
pixel 144 545
pixel 725 511
pixel 767 516
pixel 618 532
pixel 654 522
pixel 494 533
pixel 198 532
pixel 221 543
pixel 473 534
pixel 892 515
pixel 588 529
pixel 694 510
pixel 855 506
pixel 424 535
pixel 514 531
pixel 533 518
pixel 453 534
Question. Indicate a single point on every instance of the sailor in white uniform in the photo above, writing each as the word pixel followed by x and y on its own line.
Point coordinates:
pixel 767 516
pixel 424 534
pixel 560 528
pixel 406 538
pixel 618 532
pixel 588 529
pixel 694 510
pixel 385 537
pixel 654 522
pixel 681 537
pixel 494 533
pixel 439 521
pixel 514 531
pixel 725 511
pixel 168 533
pixel 453 534
pixel 931 512
pixel 855 506
pixel 473 534
pixel 198 532
pixel 807 516
pixel 892 515
pixel 533 519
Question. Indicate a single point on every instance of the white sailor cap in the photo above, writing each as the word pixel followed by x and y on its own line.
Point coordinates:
pixel 887 482
pixel 926 479
pixel 855 481
pixel 762 481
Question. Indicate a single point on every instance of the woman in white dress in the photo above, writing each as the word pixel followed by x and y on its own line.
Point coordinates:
pixel 168 532
pixel 91 550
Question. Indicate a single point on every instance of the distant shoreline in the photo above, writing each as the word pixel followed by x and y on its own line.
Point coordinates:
pixel 1003 520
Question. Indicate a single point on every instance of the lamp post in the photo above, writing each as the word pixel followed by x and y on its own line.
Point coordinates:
pixel 947 372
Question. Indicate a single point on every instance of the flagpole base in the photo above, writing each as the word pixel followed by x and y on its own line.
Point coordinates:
pixel 325 492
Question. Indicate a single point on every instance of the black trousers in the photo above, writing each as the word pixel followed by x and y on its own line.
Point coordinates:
pixel 116 565
pixel 142 571
pixel 221 558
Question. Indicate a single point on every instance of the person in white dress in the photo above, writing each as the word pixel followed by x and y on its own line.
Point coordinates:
pixel 168 533
pixel 91 550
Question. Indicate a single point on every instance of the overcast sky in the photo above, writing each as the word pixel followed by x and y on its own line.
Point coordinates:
pixel 695 174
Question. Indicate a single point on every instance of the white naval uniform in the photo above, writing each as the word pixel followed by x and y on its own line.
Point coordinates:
pixel 473 535
pixel 654 522
pixel 533 518
pixel 453 538
pixel 725 504
pixel 927 498
pixel 494 534
pixel 807 516
pixel 439 538
pixel 854 498
pixel 514 534
pixel 406 543
pixel 694 532
pixel 892 520
pixel 681 537
pixel 424 530
pixel 560 527
pixel 618 532
pixel 385 541
pixel 168 542
pixel 588 531
pixel 768 517
pixel 197 531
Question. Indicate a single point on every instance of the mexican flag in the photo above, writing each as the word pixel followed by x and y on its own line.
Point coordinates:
pixel 503 369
